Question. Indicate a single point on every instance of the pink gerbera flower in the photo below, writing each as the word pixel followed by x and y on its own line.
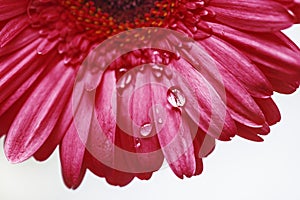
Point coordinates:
pixel 45 43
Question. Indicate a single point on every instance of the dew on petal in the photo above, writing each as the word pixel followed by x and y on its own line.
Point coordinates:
pixel 122 71
pixel 177 55
pixel 175 97
pixel 142 69
pixel 125 79
pixel 146 129
pixel 157 71
pixel 137 142
pixel 160 120
pixel 128 79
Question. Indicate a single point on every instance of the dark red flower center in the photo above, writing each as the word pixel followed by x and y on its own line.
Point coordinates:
pixel 125 10
pixel 105 18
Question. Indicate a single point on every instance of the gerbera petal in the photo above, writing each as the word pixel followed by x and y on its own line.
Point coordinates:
pixel 105 115
pixel 24 38
pixel 119 178
pixel 13 77
pixel 239 66
pixel 31 129
pixel 252 15
pixel 284 86
pixel 282 39
pixel 61 127
pixel 11 8
pixel 12 29
pixel 220 125
pixel 112 176
pixel 112 149
pixel 7 118
pixel 148 105
pixel 206 144
pixel 25 87
pixel 136 116
pixel 241 104
pixel 72 151
pixel 252 133
pixel 177 146
pixel 270 110
pixel 203 146
pixel 273 55
pixel 296 10
pixel 286 2
pixel 75 141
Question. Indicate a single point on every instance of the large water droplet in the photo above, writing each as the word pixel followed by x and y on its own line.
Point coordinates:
pixel 146 129
pixel 175 97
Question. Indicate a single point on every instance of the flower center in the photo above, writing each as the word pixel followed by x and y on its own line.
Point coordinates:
pixel 104 18
pixel 125 10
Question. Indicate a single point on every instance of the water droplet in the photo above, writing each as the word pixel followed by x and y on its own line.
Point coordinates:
pixel 160 120
pixel 61 48
pixel 137 142
pixel 146 129
pixel 155 53
pixel 43 32
pixel 157 71
pixel 40 52
pixel 67 60
pixel 175 97
pixel 204 13
pixel 177 55
pixel 142 68
pixel 174 25
pixel 128 79
pixel 125 78
pixel 122 71
pixel 194 29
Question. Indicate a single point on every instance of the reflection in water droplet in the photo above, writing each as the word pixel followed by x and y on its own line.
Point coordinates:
pixel 146 129
pixel 137 142
pixel 175 97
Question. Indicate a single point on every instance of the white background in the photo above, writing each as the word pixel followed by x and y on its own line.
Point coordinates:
pixel 236 170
